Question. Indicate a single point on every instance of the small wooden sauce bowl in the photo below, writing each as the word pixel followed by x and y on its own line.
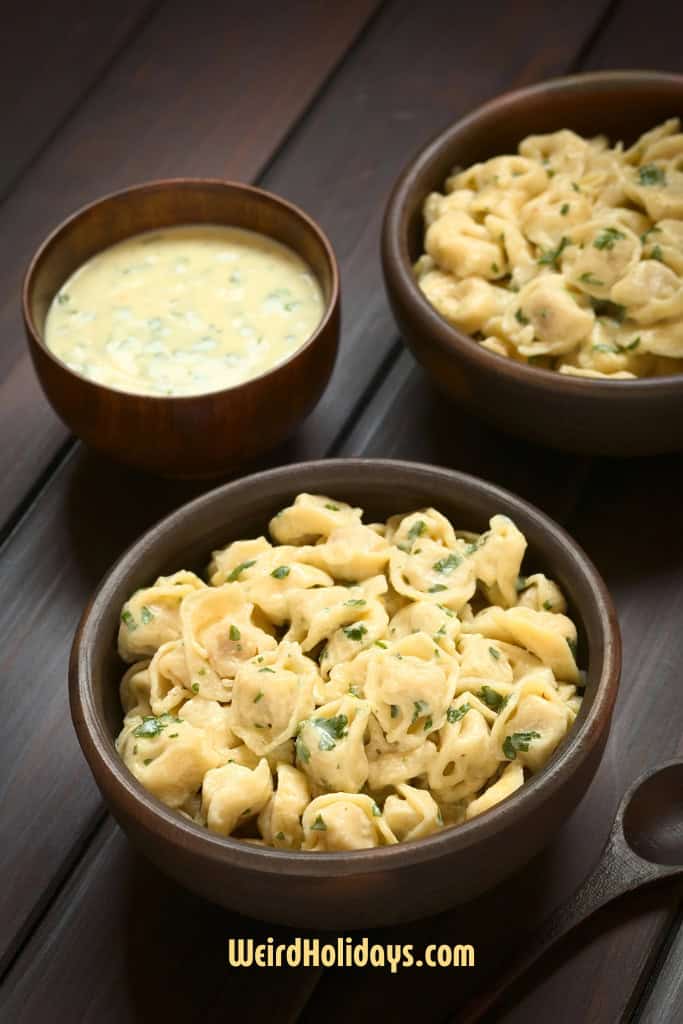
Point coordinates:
pixel 200 435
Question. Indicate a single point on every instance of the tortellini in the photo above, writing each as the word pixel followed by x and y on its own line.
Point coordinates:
pixel 567 255
pixel 348 685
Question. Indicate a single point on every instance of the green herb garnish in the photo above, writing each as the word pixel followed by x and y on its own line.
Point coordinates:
pixel 395 711
pixel 589 278
pixel 259 696
pixel 492 698
pixel 454 715
pixel 564 209
pixel 280 572
pixel 447 565
pixel 319 825
pixel 146 615
pixel 235 634
pixel 650 174
pixel 608 238
pixel 420 707
pixel 495 653
pixel 239 569
pixel 331 507
pixel 302 751
pixel 355 632
pixel 331 730
pixel 355 602
pixel 128 619
pixel 518 741
pixel 551 257
pixel 152 725
pixel 520 318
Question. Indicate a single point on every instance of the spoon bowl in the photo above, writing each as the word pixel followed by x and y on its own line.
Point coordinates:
pixel 653 816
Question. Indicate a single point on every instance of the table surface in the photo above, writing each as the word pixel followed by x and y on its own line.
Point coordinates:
pixel 322 103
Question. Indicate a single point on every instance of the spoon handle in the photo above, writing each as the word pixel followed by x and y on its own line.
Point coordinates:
pixel 619 871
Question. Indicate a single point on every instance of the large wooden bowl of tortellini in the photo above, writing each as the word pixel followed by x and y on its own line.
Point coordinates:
pixel 533 257
pixel 330 694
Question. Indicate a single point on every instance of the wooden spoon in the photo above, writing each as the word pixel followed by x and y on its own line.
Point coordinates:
pixel 644 846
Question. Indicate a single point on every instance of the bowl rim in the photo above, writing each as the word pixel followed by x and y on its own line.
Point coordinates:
pixel 98 746
pixel 330 306
pixel 397 264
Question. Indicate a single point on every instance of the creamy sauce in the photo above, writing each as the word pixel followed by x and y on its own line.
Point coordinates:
pixel 184 310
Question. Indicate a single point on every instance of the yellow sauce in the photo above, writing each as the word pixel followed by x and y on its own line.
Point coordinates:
pixel 184 310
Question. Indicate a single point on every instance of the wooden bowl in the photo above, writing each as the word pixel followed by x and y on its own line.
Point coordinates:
pixel 197 435
pixel 359 888
pixel 616 417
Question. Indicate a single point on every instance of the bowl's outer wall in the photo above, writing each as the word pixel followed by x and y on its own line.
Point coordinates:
pixel 408 886
pixel 200 435
pixel 601 418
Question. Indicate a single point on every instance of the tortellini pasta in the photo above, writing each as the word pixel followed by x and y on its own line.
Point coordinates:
pixel 349 685
pixel 567 255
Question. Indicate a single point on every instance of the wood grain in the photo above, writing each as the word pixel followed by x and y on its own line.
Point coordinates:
pixel 206 89
pixel 52 55
pixel 337 163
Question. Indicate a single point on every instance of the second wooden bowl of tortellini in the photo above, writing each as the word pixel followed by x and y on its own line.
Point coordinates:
pixel 533 258
pixel 446 661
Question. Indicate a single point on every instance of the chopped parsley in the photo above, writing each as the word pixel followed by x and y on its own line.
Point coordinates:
pixel 152 726
pixel 437 587
pixel 448 564
pixel 548 605
pixel 417 529
pixel 520 318
pixel 382 644
pixel 332 507
pixel 280 836
pixel 650 174
pixel 239 569
pixel 331 730
pixel 656 253
pixel 608 238
pixel 63 298
pixel 551 257
pixel 356 632
pixel 521 584
pixel 148 760
pixel 319 825
pixel 302 751
pixel 395 711
pixel 195 687
pixel 376 813
pixel 355 602
pixel 454 715
pixel 518 741
pixel 280 572
pixel 259 696
pixel 235 634
pixel 146 615
pixel 495 653
pixel 420 706
pixel 589 278
pixel 492 698
pixel 573 647
pixel 428 724
pixel 564 209
pixel 128 619
pixel 266 669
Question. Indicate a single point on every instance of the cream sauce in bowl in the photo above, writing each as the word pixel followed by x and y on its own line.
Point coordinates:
pixel 184 310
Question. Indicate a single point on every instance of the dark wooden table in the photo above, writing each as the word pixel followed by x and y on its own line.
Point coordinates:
pixel 322 103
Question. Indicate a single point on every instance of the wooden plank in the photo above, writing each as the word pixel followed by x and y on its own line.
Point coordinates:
pixel 664 1001
pixel 61 549
pixel 148 950
pixel 51 55
pixel 205 89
